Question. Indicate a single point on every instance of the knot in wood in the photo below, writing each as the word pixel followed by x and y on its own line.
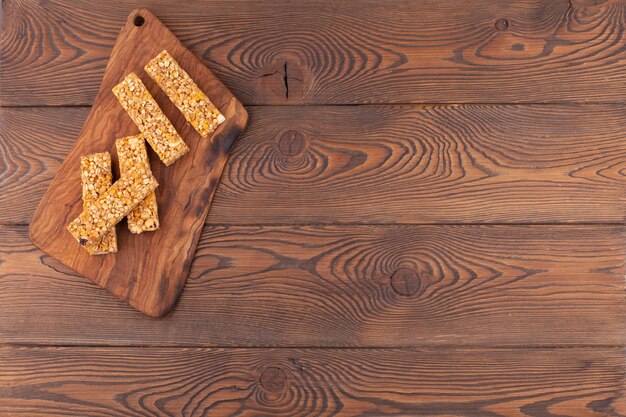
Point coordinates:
pixel 292 143
pixel 273 380
pixel 502 24
pixel 405 282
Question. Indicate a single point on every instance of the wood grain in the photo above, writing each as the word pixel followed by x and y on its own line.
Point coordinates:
pixel 33 144
pixel 327 52
pixel 378 164
pixel 304 382
pixel 149 270
pixel 331 286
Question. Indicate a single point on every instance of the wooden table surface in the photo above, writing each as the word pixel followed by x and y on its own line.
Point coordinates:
pixel 424 217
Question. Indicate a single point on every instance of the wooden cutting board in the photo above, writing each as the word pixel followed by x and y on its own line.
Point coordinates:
pixel 150 269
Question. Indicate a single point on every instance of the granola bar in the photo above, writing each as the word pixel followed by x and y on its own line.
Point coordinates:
pixel 184 93
pixel 117 202
pixel 131 152
pixel 147 115
pixel 95 172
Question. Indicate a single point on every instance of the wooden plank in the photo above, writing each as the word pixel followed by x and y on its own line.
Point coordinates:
pixel 325 52
pixel 305 382
pixel 340 286
pixel 378 164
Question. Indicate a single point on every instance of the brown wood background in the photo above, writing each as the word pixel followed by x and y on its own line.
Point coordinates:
pixel 479 146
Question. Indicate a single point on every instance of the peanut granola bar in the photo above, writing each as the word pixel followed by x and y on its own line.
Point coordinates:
pixel 95 172
pixel 131 152
pixel 113 205
pixel 184 93
pixel 147 115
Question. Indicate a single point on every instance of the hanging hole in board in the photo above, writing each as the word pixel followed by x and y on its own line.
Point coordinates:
pixel 139 20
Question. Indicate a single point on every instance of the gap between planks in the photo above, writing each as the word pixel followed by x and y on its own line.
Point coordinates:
pixel 373 104
pixel 399 224
pixel 416 347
